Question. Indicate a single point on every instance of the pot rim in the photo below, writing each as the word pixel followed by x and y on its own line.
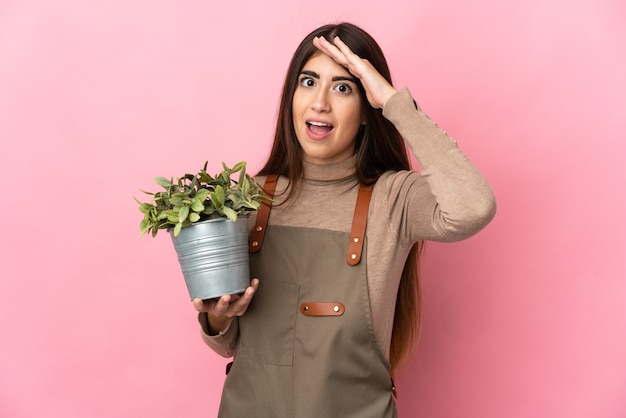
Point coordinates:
pixel 221 219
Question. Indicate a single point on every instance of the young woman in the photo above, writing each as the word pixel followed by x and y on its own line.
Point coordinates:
pixel 333 307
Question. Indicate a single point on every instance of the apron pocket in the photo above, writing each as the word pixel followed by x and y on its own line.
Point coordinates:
pixel 267 329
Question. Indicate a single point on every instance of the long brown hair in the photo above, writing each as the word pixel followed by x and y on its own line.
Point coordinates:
pixel 379 148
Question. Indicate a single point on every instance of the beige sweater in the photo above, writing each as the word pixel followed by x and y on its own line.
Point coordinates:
pixel 448 201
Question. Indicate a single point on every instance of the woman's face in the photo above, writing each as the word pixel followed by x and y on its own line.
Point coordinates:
pixel 326 111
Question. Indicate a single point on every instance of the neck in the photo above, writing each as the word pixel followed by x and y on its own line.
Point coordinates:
pixel 337 171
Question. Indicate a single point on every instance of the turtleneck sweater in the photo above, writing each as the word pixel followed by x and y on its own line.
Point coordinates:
pixel 448 200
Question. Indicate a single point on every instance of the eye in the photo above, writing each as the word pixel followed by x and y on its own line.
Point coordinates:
pixel 307 82
pixel 344 88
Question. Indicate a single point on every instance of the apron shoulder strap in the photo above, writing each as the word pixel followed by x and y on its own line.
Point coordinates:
pixel 359 220
pixel 256 240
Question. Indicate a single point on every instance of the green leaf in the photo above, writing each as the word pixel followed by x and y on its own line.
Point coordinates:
pixel 195 183
pixel 239 167
pixel 230 214
pixel 177 229
pixel 224 178
pixel 176 201
pixel 220 195
pixel 145 208
pixel 245 186
pixel 182 215
pixel 202 194
pixel 251 204
pixel 197 205
pixel 162 181
pixel 235 199
pixel 205 177
pixel 194 217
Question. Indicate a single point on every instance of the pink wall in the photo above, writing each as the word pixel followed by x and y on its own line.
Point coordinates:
pixel 527 319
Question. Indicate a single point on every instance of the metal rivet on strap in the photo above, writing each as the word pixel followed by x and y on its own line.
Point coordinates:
pixel 336 308
pixel 353 256
pixel 305 309
pixel 356 239
pixel 259 228
pixel 255 243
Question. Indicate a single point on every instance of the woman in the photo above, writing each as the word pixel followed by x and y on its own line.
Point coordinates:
pixel 333 307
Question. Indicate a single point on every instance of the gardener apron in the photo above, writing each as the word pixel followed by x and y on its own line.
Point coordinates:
pixel 306 345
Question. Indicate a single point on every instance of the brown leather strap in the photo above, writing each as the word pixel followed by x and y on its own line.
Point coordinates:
pixel 256 240
pixel 359 222
pixel 322 308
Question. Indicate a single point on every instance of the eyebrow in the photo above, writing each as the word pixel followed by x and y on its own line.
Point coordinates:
pixel 335 78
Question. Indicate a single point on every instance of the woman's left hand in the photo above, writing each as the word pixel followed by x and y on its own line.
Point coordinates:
pixel 377 89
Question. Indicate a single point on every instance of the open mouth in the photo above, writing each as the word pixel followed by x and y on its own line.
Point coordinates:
pixel 319 128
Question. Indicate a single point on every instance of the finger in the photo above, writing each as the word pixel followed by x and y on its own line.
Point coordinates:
pixel 356 65
pixel 198 305
pixel 245 299
pixel 343 48
pixel 251 290
pixel 221 306
pixel 331 50
pixel 239 308
pixel 344 51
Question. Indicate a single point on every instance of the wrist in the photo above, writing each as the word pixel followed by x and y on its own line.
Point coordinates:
pixel 216 324
pixel 388 95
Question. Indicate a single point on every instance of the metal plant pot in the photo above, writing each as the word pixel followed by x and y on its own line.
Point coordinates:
pixel 213 256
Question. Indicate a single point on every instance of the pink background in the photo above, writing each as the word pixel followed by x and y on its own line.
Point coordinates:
pixel 526 319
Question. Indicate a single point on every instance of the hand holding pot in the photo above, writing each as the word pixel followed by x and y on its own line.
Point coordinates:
pixel 221 311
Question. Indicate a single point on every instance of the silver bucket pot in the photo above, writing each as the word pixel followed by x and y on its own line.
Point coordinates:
pixel 213 256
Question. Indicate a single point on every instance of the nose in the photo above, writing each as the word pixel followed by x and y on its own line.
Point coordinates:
pixel 320 101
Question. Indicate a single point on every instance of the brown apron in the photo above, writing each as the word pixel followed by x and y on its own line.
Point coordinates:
pixel 306 345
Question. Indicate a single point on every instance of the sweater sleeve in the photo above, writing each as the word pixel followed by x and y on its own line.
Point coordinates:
pixel 224 343
pixel 449 191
